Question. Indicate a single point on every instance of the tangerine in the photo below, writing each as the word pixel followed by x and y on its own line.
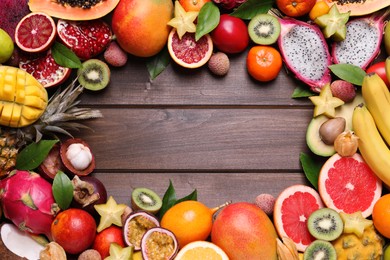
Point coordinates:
pixel 264 63
pixel 193 5
pixel 381 215
pixel 319 8
pixel 295 8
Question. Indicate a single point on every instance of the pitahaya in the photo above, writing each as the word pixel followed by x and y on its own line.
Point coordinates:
pixel 305 52
pixel 27 200
pixel 362 41
pixel 229 4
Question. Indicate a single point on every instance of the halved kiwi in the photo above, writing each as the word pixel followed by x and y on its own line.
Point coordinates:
pixel 145 199
pixel 320 249
pixel 325 224
pixel 264 29
pixel 94 74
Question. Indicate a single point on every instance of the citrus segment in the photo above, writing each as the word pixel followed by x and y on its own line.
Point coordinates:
pixel 200 250
pixel 347 184
pixel 292 208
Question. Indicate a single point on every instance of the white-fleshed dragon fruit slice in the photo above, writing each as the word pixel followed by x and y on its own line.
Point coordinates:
pixel 362 41
pixel 305 52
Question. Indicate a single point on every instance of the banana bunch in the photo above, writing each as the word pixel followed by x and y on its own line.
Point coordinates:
pixel 372 126
pixel 286 249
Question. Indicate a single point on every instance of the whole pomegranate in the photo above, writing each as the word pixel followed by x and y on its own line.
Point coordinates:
pixel 74 229
pixel 244 231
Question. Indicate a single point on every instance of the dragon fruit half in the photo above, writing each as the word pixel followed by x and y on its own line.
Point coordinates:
pixel 305 52
pixel 27 200
pixel 362 41
pixel 229 4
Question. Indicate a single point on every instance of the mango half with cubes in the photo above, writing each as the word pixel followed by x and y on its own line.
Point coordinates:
pixel 22 98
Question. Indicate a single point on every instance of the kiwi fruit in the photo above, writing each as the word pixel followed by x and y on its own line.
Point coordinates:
pixel 320 250
pixel 145 199
pixel 264 29
pixel 94 74
pixel 325 224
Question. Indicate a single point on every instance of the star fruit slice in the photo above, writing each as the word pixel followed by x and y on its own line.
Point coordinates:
pixel 110 213
pixel 183 21
pixel 325 103
pixel 355 223
pixel 333 23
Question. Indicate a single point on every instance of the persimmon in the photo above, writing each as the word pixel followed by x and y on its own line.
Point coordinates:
pixel 193 5
pixel 263 63
pixel 295 8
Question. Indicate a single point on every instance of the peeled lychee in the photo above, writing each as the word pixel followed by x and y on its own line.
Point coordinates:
pixel 343 90
pixel 219 64
pixel 266 202
pixel 115 55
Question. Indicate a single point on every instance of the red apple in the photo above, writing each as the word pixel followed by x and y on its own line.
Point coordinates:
pixel 107 236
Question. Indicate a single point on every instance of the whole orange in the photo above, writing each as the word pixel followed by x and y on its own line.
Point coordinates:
pixel 103 239
pixel 74 229
pixel 263 63
pixel 381 215
pixel 193 5
pixel 295 8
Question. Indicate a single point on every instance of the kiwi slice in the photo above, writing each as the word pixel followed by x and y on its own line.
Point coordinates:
pixel 325 224
pixel 320 250
pixel 264 29
pixel 145 199
pixel 94 74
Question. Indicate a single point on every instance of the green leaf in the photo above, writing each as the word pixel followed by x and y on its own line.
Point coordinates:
pixel 168 200
pixel 34 154
pixel 302 91
pixel 251 8
pixel 348 72
pixel 192 196
pixel 208 19
pixel 311 168
pixel 158 63
pixel 64 56
pixel 62 190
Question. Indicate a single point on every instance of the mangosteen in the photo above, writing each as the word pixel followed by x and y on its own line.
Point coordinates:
pixel 77 157
pixel 52 164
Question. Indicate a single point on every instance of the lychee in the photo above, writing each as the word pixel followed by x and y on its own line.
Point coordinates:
pixel 219 64
pixel 266 202
pixel 343 90
pixel 115 55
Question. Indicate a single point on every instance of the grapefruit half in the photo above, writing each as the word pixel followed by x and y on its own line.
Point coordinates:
pixel 292 208
pixel 188 52
pixel 347 184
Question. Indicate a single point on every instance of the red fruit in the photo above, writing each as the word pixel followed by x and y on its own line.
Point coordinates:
pixel 292 208
pixel 11 12
pixel 115 55
pixel 52 164
pixel 103 239
pixel 347 184
pixel 244 231
pixel 74 230
pixel 343 90
pixel 380 69
pixel 86 39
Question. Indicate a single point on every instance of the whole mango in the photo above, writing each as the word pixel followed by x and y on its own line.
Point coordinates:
pixel 140 26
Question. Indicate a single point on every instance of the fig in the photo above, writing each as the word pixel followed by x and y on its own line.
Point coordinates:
pixel 77 157
pixel 136 225
pixel 52 164
pixel 159 243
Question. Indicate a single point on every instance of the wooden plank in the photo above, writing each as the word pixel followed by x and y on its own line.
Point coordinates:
pixel 199 139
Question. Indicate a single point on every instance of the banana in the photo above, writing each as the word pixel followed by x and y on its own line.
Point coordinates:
pixel 376 96
pixel 371 145
pixel 387 64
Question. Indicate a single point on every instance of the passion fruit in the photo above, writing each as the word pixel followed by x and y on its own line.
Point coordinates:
pixel 159 243
pixel 136 225
pixel 77 157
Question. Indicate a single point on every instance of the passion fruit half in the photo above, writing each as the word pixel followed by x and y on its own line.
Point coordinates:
pixel 136 225
pixel 77 157
pixel 159 243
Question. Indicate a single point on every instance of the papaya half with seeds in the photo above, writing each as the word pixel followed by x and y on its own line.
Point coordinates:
pixel 358 8
pixel 56 9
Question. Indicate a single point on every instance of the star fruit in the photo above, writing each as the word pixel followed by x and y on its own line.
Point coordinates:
pixel 355 223
pixel 119 253
pixel 333 23
pixel 110 213
pixel 183 21
pixel 325 103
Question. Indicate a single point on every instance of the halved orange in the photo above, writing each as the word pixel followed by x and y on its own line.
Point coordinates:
pixel 200 250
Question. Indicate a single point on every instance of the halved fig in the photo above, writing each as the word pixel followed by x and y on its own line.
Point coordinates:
pixel 77 157
pixel 159 243
pixel 52 164
pixel 136 225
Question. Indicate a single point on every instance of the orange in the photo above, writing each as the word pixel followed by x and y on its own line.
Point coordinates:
pixel 320 8
pixel 200 250
pixel 295 8
pixel 381 215
pixel 263 63
pixel 193 5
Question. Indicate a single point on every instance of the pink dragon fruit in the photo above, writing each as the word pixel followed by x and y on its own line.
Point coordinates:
pixel 305 52
pixel 27 200
pixel 229 4
pixel 362 41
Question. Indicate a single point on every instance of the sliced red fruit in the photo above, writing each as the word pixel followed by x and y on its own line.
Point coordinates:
pixel 44 68
pixel 292 208
pixel 187 52
pixel 86 39
pixel 35 32
pixel 347 184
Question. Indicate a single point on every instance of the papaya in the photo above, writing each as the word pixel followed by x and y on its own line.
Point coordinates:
pixel 140 26
pixel 75 13
pixel 358 8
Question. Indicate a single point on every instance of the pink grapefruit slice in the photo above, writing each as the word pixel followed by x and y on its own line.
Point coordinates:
pixel 347 184
pixel 292 208
pixel 35 32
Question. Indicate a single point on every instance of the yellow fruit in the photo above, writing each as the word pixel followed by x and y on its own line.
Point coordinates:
pixel 200 250
pixel 320 8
